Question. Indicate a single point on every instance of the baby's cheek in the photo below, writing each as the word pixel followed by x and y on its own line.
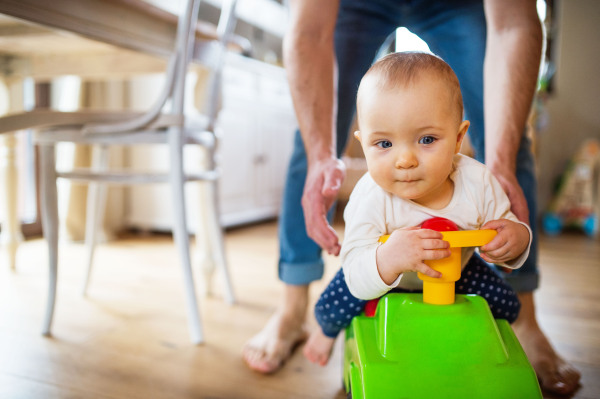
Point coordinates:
pixel 383 179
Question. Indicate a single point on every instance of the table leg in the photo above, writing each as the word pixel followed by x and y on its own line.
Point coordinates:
pixel 10 236
pixel 11 92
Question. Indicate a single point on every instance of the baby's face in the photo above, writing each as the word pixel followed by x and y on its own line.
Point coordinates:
pixel 409 136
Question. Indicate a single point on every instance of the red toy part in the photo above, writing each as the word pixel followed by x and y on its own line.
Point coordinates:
pixel 371 307
pixel 439 224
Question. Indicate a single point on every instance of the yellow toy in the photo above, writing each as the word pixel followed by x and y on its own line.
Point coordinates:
pixel 440 291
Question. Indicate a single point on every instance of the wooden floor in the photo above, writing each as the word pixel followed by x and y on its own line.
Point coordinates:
pixel 129 337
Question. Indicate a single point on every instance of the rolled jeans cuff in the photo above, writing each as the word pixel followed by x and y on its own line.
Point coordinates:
pixel 301 273
pixel 522 282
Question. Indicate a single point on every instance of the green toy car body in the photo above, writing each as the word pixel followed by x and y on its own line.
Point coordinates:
pixel 411 349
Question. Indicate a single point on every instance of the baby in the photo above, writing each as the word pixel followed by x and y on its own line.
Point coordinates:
pixel 410 116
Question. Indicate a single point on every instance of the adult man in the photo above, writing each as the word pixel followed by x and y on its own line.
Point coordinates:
pixel 492 44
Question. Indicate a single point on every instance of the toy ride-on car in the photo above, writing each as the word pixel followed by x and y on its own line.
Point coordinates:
pixel 436 344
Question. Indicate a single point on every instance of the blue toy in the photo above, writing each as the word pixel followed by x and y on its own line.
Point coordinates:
pixel 577 200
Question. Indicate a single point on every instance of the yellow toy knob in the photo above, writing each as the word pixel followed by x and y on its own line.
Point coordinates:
pixel 441 291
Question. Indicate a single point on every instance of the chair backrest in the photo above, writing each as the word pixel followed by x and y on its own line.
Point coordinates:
pixel 225 30
pixel 185 48
pixel 182 54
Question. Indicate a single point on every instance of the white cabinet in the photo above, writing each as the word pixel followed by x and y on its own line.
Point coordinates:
pixel 257 125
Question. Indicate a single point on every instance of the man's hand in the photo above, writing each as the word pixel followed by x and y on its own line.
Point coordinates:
pixel 518 203
pixel 323 182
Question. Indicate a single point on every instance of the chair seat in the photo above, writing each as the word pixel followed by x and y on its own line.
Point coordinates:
pixel 45 118
pixel 128 178
pixel 56 126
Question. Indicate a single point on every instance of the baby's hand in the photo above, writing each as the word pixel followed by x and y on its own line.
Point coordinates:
pixel 510 242
pixel 406 249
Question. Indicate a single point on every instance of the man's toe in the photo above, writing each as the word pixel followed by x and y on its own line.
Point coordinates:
pixel 563 382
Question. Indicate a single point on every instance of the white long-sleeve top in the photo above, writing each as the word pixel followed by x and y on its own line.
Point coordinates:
pixel 372 212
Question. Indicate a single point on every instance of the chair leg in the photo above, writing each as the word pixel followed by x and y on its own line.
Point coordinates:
pixel 209 239
pixel 218 241
pixel 180 231
pixel 204 250
pixel 49 213
pixel 95 207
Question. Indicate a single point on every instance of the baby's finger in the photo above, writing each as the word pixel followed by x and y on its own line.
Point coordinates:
pixel 498 242
pixel 428 271
pixel 427 233
pixel 430 243
pixel 485 257
pixel 499 255
pixel 493 225
pixel 435 254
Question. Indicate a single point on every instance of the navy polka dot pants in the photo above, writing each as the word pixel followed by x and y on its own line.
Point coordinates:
pixel 336 307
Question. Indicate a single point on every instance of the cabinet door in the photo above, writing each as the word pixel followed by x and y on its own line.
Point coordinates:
pixel 277 125
pixel 277 129
pixel 236 154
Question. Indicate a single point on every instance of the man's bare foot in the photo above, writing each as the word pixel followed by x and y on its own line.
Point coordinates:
pixel 273 345
pixel 554 373
pixel 318 347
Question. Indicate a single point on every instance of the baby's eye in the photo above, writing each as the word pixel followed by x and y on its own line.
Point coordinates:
pixel 427 140
pixel 384 144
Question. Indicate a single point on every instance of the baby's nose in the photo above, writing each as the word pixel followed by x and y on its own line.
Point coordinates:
pixel 406 160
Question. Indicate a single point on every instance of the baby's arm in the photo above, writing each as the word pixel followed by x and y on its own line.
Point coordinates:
pixel 510 242
pixel 406 249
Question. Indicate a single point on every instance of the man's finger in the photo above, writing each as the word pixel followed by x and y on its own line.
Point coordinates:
pixel 331 187
pixel 519 206
pixel 319 230
pixel 332 183
pixel 327 238
pixel 516 196
pixel 323 182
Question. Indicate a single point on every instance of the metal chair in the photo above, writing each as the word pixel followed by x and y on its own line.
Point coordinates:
pixel 155 126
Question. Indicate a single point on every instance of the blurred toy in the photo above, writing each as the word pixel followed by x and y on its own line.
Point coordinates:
pixel 577 200
pixel 408 346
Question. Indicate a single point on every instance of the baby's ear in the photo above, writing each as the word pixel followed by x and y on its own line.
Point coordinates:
pixel 357 135
pixel 462 131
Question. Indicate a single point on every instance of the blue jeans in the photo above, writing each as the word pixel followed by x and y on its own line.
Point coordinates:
pixel 455 30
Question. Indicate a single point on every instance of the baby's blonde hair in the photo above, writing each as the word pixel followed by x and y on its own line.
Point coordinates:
pixel 404 68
